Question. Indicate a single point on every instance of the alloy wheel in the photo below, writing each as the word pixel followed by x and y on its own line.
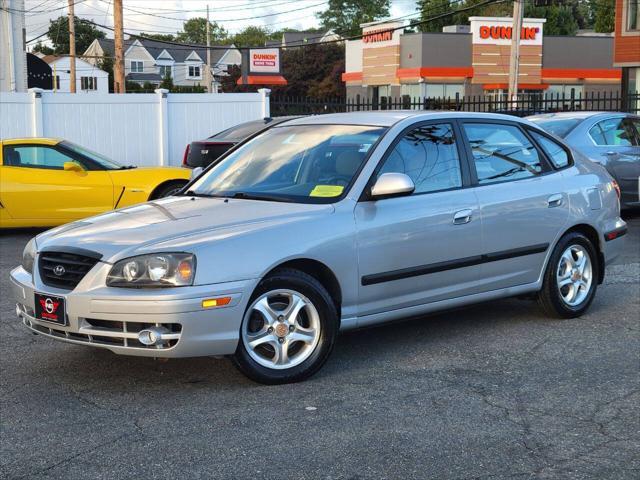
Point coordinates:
pixel 574 275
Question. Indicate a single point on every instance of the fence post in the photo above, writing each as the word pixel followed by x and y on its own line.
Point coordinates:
pixel 266 107
pixel 163 126
pixel 37 129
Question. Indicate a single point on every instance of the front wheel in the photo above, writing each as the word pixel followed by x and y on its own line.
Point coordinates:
pixel 168 189
pixel 571 277
pixel 288 330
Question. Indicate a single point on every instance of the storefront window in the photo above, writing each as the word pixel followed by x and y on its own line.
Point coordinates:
pixel 444 90
pixel 413 90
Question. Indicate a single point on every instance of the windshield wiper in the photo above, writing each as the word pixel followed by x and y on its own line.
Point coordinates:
pixel 193 193
pixel 257 196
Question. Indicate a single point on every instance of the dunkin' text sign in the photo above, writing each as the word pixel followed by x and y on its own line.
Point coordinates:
pixel 498 31
pixel 378 36
pixel 264 60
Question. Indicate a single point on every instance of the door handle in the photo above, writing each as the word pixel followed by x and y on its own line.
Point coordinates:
pixel 610 153
pixel 462 217
pixel 555 200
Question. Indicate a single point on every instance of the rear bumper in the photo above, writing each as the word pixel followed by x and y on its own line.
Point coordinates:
pixel 109 318
pixel 614 240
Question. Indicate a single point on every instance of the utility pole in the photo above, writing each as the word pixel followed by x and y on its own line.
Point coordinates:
pixel 118 40
pixel 207 76
pixel 72 48
pixel 514 61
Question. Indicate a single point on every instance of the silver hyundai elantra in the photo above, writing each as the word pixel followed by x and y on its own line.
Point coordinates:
pixel 329 223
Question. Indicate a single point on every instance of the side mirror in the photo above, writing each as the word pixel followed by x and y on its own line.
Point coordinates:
pixel 392 185
pixel 72 167
pixel 195 173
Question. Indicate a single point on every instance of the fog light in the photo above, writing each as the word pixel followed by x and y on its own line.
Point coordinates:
pixel 152 336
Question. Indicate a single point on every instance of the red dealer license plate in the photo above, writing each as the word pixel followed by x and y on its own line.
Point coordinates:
pixel 50 308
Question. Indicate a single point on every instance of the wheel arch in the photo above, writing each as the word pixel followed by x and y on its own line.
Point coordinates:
pixel 320 272
pixel 592 234
pixel 160 186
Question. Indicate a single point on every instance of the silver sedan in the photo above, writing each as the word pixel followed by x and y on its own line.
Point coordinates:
pixel 324 224
pixel 608 138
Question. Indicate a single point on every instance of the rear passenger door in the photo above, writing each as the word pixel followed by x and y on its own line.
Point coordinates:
pixel 522 200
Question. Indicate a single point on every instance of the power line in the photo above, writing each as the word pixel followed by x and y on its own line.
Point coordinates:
pixel 353 37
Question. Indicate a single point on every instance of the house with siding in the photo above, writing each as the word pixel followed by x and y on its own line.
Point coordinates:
pixel 150 61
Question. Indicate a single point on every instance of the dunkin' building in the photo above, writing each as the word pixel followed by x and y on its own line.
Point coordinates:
pixel 474 60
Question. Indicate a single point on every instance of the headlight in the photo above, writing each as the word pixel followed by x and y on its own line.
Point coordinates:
pixel 155 270
pixel 29 255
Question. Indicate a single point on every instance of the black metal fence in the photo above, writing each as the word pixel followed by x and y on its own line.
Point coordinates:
pixel 523 106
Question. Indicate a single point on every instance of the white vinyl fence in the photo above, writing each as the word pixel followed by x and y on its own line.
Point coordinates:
pixel 133 129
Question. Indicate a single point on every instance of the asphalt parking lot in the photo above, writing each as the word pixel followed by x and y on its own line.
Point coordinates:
pixel 494 391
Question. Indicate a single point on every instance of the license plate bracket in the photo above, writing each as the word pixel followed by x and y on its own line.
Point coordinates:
pixel 50 308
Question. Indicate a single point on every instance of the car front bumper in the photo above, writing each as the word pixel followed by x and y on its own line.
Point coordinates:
pixel 112 318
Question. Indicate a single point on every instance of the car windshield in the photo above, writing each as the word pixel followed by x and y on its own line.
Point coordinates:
pixel 558 126
pixel 101 160
pixel 304 164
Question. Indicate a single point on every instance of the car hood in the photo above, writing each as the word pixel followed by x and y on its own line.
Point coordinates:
pixel 175 223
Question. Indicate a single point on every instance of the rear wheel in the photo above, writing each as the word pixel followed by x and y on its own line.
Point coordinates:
pixel 571 278
pixel 288 330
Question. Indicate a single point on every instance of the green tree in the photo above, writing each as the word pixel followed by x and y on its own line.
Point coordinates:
pixel 345 16
pixel 194 30
pixel 167 82
pixel 58 34
pixel 604 15
pixel 431 8
pixel 251 36
pixel 106 64
pixel 166 37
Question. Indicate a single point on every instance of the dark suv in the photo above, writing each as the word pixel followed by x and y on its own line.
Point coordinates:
pixel 202 153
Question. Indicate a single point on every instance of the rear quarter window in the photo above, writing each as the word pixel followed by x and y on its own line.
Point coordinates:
pixel 554 151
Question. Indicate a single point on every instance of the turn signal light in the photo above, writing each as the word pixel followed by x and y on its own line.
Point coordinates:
pixel 216 302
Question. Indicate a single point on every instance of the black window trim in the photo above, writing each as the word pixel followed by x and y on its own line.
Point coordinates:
pixel 547 166
pixel 365 196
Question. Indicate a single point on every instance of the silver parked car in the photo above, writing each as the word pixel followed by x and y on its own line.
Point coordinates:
pixel 329 223
pixel 610 139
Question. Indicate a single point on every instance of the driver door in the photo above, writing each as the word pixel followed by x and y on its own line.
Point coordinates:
pixel 36 185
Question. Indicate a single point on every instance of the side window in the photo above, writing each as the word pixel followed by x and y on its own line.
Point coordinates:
pixel 632 127
pixel 611 132
pixel 428 155
pixel 35 156
pixel 556 153
pixel 501 152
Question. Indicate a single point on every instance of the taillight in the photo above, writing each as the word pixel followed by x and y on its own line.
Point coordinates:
pixel 186 155
pixel 616 187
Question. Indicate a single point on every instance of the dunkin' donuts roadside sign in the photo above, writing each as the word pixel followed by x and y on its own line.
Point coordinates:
pixel 264 60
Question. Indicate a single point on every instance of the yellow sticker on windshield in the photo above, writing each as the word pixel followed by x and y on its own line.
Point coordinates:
pixel 326 191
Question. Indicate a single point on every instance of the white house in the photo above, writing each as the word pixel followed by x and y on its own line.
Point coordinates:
pixel 89 78
pixel 13 56
pixel 151 60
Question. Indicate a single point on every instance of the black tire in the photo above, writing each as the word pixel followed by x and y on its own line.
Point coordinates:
pixel 550 297
pixel 168 189
pixel 316 293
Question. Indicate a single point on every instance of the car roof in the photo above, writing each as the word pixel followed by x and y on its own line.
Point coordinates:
pixel 32 140
pixel 575 115
pixel 391 117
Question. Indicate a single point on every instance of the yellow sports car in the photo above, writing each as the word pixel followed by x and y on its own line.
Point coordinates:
pixel 46 182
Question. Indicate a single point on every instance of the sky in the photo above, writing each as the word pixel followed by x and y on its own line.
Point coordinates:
pixel 167 16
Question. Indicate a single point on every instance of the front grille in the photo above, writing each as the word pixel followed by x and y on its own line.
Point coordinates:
pixel 65 269
pixel 109 333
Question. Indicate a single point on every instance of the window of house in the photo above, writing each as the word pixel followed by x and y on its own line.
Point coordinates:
pixel 165 71
pixel 428 154
pixel 56 82
pixel 88 83
pixel 35 156
pixel 501 152
pixel 556 153
pixel 633 15
pixel 137 66
pixel 194 71
pixel 613 132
